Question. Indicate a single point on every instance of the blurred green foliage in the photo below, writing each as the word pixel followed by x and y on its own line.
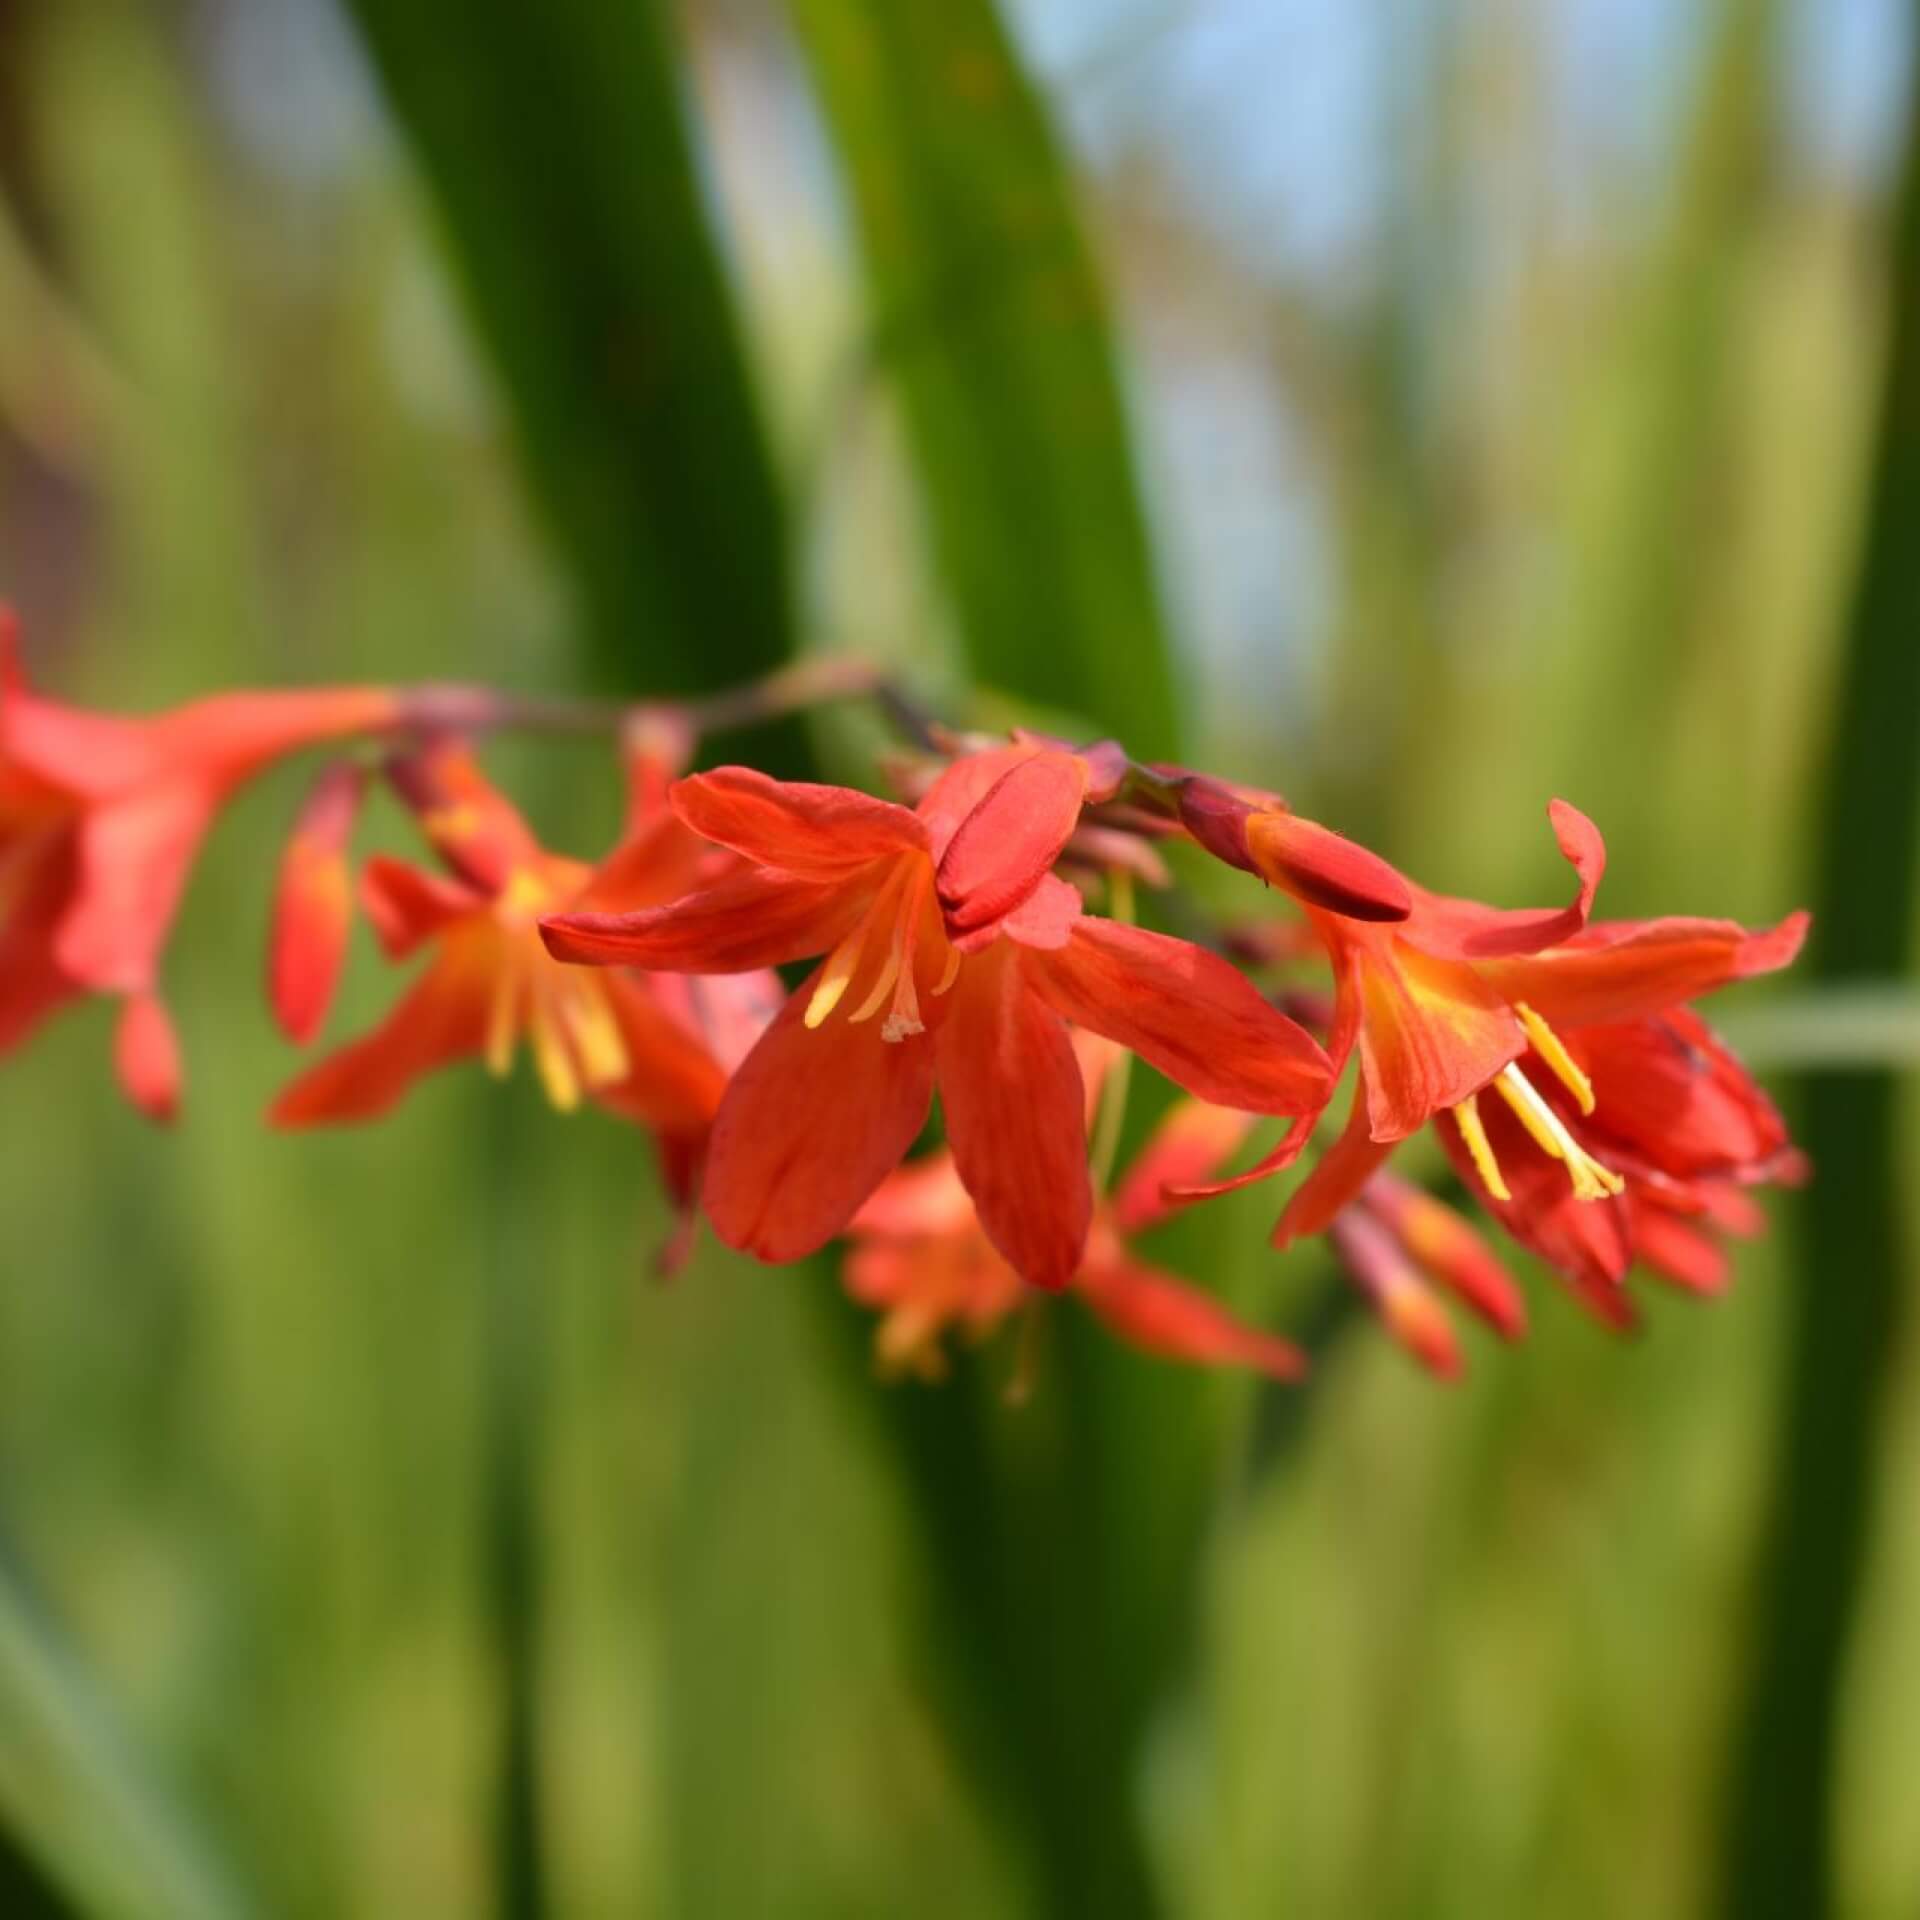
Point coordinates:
pixel 276 1415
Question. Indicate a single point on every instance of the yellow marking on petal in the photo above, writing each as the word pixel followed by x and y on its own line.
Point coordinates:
pixel 1473 1131
pixel 550 1053
pixel 1591 1180
pixel 1553 1050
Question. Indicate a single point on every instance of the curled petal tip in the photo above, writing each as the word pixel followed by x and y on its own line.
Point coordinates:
pixel 1325 869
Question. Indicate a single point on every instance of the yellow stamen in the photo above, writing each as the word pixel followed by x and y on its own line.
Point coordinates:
pixel 503 1012
pixel 1474 1132
pixel 883 985
pixel 1553 1050
pixel 587 1015
pixel 1591 1180
pixel 837 977
pixel 550 1053
pixel 949 973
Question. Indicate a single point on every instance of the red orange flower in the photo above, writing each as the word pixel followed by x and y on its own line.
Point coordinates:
pixel 101 816
pixel 656 1052
pixel 1442 997
pixel 1688 1133
pixel 921 1257
pixel 953 956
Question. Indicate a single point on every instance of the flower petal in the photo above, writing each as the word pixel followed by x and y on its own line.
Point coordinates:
pixel 313 904
pixel 1004 848
pixel 1586 1240
pixel 1338 1176
pixel 1186 1012
pixel 1448 1250
pixel 922 1200
pixel 134 859
pixel 1045 919
pixel 1410 1309
pixel 36 882
pixel 1677 1096
pixel 813 1121
pixel 146 1054
pixel 962 785
pixel 673 1084
pixel 1467 930
pixel 1621 969
pixel 753 919
pixel 1325 869
pixel 1161 1315
pixel 1190 1143
pixel 406 906
pixel 441 1018
pixel 1431 1032
pixel 480 834
pixel 817 831
pixel 1678 1252
pixel 1011 1091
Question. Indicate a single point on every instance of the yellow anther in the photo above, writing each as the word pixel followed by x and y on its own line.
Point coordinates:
pixel 1474 1132
pixel 1553 1050
pixel 1591 1180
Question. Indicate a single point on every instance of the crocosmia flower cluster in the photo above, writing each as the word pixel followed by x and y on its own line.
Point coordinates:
pixel 968 949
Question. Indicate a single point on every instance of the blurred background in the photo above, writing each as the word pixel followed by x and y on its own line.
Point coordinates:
pixel 1424 408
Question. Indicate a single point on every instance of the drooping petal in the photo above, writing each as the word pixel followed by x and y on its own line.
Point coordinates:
pixel 1164 1316
pixel 818 832
pixel 753 919
pixel 1004 848
pixel 812 1122
pixel 1431 1033
pixel 1192 1141
pixel 146 1056
pixel 406 906
pixel 441 1018
pixel 1011 1091
pixel 1340 1173
pixel 1467 930
pixel 313 904
pixel 1409 1308
pixel 1623 969
pixel 134 858
pixel 1448 1250
pixel 673 1083
pixel 1325 869
pixel 1678 1252
pixel 682 1156
pixel 1186 1012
